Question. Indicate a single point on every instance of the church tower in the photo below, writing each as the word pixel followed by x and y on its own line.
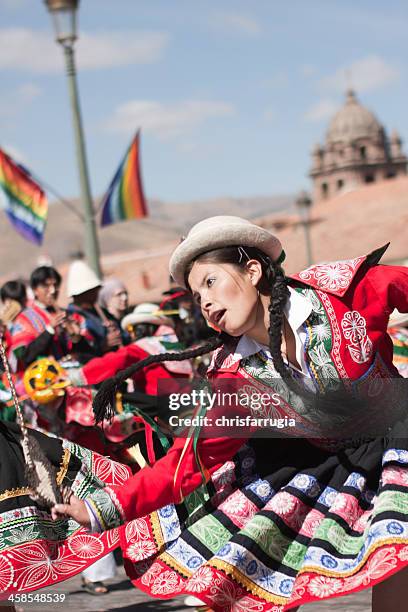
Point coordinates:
pixel 357 150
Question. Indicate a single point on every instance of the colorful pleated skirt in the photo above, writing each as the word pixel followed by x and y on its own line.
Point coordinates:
pixel 283 524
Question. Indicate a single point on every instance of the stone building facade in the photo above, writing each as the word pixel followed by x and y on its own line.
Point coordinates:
pixel 357 151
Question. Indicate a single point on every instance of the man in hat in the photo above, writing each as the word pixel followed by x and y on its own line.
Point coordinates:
pixel 96 324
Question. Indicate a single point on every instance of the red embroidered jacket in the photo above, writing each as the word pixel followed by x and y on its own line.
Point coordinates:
pixel 356 297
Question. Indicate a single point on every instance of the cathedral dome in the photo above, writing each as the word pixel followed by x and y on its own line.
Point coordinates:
pixel 352 122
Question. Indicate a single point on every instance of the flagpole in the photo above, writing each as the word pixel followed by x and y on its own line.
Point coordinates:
pixel 91 238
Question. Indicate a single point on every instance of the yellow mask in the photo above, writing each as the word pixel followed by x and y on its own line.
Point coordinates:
pixel 45 380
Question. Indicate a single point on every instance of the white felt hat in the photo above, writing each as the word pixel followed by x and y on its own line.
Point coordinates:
pixel 81 278
pixel 146 313
pixel 218 232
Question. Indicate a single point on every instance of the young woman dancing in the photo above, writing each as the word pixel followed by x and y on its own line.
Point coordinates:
pixel 283 522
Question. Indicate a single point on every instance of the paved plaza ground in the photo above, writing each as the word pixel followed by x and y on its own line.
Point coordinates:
pixel 123 597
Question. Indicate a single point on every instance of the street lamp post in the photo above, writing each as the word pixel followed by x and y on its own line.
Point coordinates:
pixel 63 13
pixel 303 203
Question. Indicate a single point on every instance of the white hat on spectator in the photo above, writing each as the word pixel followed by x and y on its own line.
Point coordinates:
pixel 81 278
pixel 146 313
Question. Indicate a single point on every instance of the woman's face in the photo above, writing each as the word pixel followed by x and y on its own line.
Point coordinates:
pixel 227 295
pixel 118 301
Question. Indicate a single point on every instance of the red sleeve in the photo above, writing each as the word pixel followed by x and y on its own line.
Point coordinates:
pixel 390 284
pixel 101 368
pixel 153 487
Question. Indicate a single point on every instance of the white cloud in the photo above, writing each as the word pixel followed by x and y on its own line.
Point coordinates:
pixel 165 120
pixel 236 22
pixel 36 51
pixel 322 110
pixel 369 73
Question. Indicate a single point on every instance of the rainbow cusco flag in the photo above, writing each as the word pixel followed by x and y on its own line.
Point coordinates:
pixel 124 199
pixel 27 205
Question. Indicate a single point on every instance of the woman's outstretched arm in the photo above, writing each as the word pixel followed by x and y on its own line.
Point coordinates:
pixel 153 487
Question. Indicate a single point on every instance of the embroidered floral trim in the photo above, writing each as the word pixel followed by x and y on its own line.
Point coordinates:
pixel 319 343
pixel 332 276
pixel 336 335
pixel 354 329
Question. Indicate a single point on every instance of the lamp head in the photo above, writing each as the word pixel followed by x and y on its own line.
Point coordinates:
pixel 63 13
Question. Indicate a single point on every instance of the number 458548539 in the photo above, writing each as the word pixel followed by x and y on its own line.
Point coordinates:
pixel 37 597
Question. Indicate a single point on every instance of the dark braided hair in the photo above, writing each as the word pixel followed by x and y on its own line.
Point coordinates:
pixel 104 402
pixel 273 282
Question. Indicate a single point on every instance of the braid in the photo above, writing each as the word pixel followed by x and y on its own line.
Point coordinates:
pixel 278 284
pixel 332 402
pixel 279 296
pixel 104 402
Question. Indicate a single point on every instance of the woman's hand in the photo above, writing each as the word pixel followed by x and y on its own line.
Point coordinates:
pixel 76 509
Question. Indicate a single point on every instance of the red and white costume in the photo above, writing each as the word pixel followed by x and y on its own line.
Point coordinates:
pixel 332 524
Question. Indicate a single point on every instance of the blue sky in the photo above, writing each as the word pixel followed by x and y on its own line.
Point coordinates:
pixel 230 95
